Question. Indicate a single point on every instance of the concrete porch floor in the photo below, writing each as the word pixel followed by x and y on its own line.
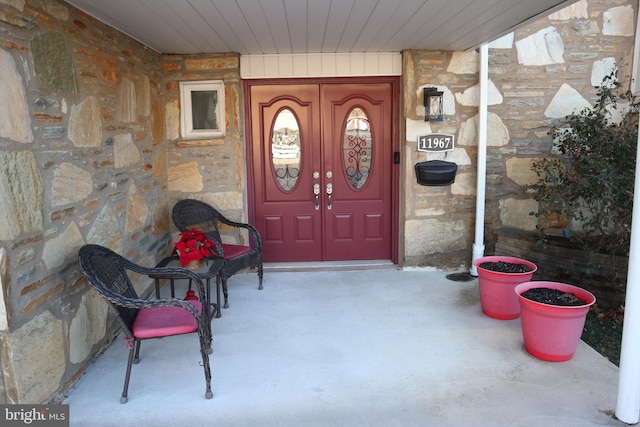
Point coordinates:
pixel 379 347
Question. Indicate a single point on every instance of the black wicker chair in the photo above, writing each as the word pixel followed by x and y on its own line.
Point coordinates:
pixel 189 213
pixel 107 272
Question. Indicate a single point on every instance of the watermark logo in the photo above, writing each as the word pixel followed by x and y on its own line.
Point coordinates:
pixel 34 415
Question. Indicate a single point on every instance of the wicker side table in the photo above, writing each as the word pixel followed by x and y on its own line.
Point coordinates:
pixel 210 270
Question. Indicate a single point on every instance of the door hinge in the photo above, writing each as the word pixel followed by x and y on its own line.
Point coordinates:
pixel 396 157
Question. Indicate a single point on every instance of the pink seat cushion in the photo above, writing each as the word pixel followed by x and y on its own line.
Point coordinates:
pixel 232 251
pixel 165 321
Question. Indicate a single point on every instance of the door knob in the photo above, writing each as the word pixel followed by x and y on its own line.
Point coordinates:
pixel 329 193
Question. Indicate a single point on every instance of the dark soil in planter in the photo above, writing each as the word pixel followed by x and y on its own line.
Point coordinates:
pixel 505 267
pixel 552 297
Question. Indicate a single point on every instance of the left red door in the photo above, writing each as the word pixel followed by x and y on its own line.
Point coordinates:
pixel 285 203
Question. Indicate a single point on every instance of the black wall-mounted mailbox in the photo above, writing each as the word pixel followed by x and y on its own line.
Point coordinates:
pixel 436 172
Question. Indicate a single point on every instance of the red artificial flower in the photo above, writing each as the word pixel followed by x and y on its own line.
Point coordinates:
pixel 193 245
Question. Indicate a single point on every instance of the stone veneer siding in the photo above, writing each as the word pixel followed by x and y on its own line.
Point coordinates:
pixel 537 76
pixel 83 161
pixel 90 152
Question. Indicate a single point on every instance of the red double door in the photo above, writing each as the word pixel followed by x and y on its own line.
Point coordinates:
pixel 322 170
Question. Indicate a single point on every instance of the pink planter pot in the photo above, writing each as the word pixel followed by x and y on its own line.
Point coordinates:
pixel 553 332
pixel 497 289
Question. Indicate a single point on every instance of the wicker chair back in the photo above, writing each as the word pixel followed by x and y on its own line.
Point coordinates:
pixel 107 274
pixel 188 214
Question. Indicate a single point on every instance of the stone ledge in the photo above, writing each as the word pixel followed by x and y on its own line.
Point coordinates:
pixel 200 143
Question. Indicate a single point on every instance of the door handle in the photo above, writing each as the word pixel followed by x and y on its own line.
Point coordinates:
pixel 329 193
pixel 316 192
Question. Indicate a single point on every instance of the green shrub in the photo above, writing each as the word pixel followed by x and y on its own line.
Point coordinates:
pixel 588 178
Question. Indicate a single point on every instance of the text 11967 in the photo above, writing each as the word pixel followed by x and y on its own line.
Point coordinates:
pixel 435 142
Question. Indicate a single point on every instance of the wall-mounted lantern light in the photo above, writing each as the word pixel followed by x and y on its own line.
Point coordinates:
pixel 433 104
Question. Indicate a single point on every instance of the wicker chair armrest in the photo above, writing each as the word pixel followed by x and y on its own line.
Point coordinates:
pixel 153 303
pixel 255 234
pixel 252 230
pixel 218 245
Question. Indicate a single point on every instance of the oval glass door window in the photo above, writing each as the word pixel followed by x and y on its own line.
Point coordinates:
pixel 357 148
pixel 285 149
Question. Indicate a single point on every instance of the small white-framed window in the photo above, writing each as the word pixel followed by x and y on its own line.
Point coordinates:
pixel 202 109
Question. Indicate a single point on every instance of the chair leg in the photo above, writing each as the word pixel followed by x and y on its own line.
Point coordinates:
pixel 205 363
pixel 260 273
pixel 136 359
pixel 225 291
pixel 217 314
pixel 208 332
pixel 125 390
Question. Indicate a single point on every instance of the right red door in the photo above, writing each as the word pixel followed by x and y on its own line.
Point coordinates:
pixel 322 170
pixel 357 162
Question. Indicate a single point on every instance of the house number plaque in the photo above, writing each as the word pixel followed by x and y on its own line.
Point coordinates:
pixel 435 142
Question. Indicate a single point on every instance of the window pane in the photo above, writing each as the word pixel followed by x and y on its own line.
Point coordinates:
pixel 285 149
pixel 357 148
pixel 203 109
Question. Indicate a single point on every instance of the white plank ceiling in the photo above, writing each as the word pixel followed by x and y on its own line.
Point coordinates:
pixel 315 26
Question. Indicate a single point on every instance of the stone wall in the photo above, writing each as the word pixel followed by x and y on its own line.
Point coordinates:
pixel 91 153
pixel 82 161
pixel 545 72
pixel 211 170
pixel 439 220
pixel 537 76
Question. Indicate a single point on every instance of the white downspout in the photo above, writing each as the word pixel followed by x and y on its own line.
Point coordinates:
pixel 628 403
pixel 478 245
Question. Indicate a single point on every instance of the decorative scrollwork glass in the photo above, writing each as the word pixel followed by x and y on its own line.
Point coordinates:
pixel 357 148
pixel 286 149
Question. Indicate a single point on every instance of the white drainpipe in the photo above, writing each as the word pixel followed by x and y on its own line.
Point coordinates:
pixel 628 404
pixel 478 245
